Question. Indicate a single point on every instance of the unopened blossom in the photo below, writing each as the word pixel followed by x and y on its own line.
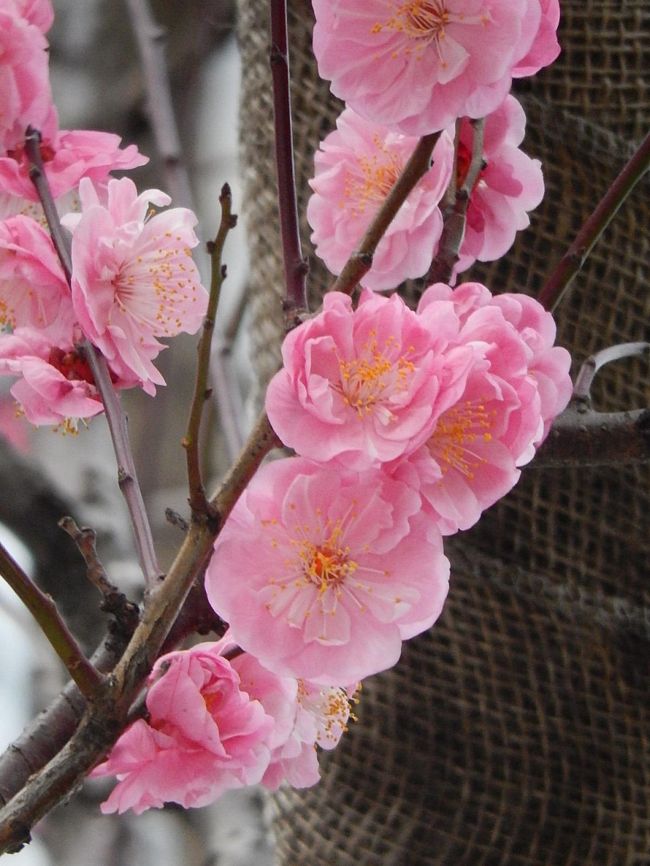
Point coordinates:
pixel 355 168
pixel 133 278
pixel 322 573
pixel 25 97
pixel 518 383
pixel 54 385
pixel 205 735
pixel 33 288
pixel 507 188
pixel 363 386
pixel 417 65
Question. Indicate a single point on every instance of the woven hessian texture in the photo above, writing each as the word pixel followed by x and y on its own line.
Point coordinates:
pixel 515 733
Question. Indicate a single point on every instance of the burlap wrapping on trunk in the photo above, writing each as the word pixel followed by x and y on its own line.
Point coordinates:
pixel 515 732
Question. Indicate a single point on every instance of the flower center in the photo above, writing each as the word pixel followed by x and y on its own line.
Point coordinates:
pixel 72 364
pixel 326 566
pixel 374 179
pixel 457 431
pixel 373 379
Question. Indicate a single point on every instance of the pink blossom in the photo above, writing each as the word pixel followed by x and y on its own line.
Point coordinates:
pixel 544 48
pixel 322 573
pixel 68 156
pixel 518 383
pixel 304 715
pixel 418 65
pixel 363 386
pixel 133 276
pixel 55 385
pixel 33 288
pixel 510 185
pixel 205 735
pixel 37 12
pixel 355 168
pixel 25 97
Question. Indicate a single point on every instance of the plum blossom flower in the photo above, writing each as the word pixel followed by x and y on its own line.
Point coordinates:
pixel 510 185
pixel 518 383
pixel 205 735
pixel 333 570
pixel 355 168
pixel 133 276
pixel 55 385
pixel 363 386
pixel 305 715
pixel 37 12
pixel 33 289
pixel 417 65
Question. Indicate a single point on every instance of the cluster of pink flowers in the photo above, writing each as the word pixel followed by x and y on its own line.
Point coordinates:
pixel 133 279
pixel 407 424
pixel 412 68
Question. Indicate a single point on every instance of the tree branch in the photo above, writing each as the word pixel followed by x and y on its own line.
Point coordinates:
pixel 46 614
pixel 198 501
pixel 455 214
pixel 295 267
pixel 577 254
pixel 115 417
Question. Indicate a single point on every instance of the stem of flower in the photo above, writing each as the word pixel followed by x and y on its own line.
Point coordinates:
pixel 115 417
pixel 577 254
pixel 46 614
pixel 295 266
pixel 360 261
pixel 455 214
pixel 588 371
pixel 198 501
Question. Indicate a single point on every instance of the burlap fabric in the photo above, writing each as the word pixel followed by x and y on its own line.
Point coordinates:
pixel 515 732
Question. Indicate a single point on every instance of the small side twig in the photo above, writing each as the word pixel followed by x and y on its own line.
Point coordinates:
pixel 198 501
pixel 360 261
pixel 46 614
pixel 126 472
pixel 578 252
pixel 455 213
pixel 151 38
pixel 295 267
pixel 114 601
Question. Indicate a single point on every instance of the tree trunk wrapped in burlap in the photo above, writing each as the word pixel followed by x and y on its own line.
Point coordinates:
pixel 515 731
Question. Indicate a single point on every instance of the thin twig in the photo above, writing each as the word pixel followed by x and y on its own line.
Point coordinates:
pixel 115 417
pixel 295 267
pixel 151 39
pixel 360 261
pixel 455 213
pixel 46 614
pixel 114 601
pixel 577 254
pixel 592 365
pixel 198 501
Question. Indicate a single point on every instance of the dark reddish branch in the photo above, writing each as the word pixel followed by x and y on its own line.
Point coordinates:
pixel 575 257
pixel 295 267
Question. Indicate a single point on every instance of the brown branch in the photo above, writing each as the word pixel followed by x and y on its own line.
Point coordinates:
pixel 360 261
pixel 582 437
pixel 592 365
pixel 106 718
pixel 295 267
pixel 151 39
pixel 577 254
pixel 46 614
pixel 455 213
pixel 115 417
pixel 198 501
